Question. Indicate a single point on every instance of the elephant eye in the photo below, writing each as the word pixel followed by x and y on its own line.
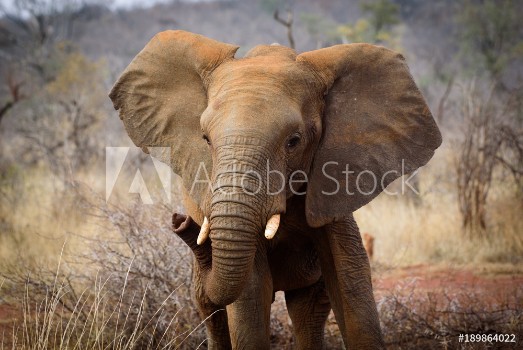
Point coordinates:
pixel 206 139
pixel 293 141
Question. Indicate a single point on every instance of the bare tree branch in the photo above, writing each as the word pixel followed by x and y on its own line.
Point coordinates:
pixel 14 88
pixel 443 99
pixel 288 24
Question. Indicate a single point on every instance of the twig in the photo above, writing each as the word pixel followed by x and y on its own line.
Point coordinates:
pixel 288 24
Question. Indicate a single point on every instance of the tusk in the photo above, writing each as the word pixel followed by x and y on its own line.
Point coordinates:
pixel 272 226
pixel 204 232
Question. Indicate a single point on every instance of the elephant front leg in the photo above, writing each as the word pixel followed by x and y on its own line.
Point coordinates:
pixel 308 309
pixel 249 315
pixel 346 270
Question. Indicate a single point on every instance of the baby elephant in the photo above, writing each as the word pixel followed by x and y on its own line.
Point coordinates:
pixel 276 150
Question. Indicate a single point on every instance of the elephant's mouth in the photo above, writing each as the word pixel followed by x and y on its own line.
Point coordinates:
pixel 270 228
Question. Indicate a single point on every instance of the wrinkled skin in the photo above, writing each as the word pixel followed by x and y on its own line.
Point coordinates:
pixel 274 110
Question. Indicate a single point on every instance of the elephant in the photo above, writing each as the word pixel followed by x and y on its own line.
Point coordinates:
pixel 275 151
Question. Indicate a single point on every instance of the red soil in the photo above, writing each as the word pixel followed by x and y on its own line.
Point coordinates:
pixel 476 284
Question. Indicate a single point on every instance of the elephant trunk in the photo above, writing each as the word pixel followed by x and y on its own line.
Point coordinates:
pixel 226 263
pixel 234 239
pixel 237 216
pixel 238 211
pixel 233 248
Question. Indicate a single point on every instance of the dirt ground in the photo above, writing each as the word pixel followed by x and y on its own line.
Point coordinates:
pixel 454 300
pixel 486 286
pixel 491 281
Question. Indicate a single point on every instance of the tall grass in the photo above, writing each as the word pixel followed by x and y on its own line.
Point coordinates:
pixel 124 278
pixel 430 230
pixel 54 316
pixel 122 282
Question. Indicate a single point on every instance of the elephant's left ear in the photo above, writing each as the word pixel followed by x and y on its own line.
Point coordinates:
pixel 376 127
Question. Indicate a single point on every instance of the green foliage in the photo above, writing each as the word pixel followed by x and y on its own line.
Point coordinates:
pixel 383 15
pixel 491 35
pixel 359 32
pixel 320 29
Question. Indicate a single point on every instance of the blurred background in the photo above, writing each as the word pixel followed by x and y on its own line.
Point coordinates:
pixel 79 269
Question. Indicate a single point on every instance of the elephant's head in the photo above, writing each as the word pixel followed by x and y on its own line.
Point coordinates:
pixel 257 122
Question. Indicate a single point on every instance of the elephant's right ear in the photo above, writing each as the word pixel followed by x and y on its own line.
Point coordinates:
pixel 162 94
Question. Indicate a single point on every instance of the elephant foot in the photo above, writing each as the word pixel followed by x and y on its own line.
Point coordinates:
pixel 185 227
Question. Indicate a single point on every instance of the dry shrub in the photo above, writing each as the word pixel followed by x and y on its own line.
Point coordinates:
pixel 129 288
pixel 413 319
pixel 124 278
pixel 431 231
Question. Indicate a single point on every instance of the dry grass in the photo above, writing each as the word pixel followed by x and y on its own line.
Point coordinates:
pixel 124 279
pixel 413 319
pixel 126 287
pixel 39 213
pixel 408 233
pixel 58 314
